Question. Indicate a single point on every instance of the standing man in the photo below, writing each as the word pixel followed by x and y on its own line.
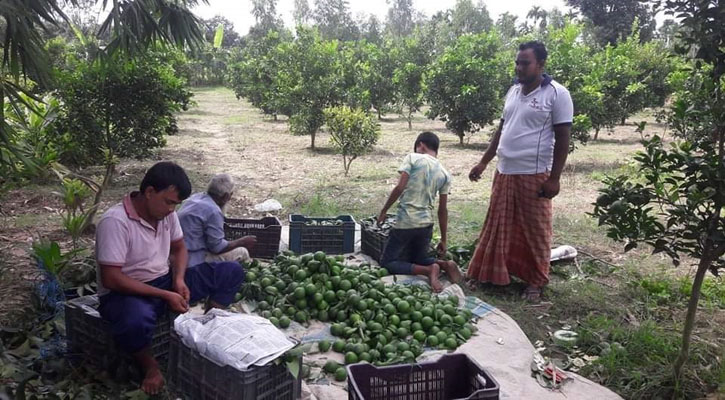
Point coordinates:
pixel 138 281
pixel 202 221
pixel 532 143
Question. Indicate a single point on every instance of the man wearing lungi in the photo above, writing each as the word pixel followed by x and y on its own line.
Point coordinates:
pixel 134 240
pixel 532 143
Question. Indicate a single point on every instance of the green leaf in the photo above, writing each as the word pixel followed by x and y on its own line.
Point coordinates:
pixel 294 367
pixel 219 36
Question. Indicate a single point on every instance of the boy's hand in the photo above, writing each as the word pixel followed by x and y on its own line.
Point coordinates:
pixel 442 248
pixel 381 218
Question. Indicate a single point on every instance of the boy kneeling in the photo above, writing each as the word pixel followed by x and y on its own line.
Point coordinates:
pixel 422 177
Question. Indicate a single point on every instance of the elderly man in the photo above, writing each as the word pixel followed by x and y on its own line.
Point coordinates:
pixel 202 221
pixel 142 268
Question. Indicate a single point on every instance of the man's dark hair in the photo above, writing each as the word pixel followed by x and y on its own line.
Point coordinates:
pixel 538 48
pixel 164 174
pixel 429 139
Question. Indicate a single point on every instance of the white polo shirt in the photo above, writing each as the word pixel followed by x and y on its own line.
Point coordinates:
pixel 526 145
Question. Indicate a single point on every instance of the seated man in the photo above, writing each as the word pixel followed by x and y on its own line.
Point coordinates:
pixel 133 242
pixel 202 222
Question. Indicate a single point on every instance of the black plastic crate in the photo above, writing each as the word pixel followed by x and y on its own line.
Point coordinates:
pixel 268 231
pixel 333 235
pixel 453 376
pixel 194 377
pixel 89 336
pixel 373 239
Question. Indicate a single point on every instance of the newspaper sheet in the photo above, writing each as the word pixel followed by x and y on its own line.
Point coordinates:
pixel 233 339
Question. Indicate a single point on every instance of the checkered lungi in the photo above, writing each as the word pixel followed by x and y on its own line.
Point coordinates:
pixel 516 237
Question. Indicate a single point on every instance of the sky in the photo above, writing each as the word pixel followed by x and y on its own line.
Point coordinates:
pixel 240 11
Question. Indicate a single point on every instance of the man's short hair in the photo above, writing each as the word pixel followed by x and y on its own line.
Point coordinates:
pixel 429 139
pixel 165 174
pixel 220 185
pixel 538 48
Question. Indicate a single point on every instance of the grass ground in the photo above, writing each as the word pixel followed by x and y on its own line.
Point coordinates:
pixel 633 304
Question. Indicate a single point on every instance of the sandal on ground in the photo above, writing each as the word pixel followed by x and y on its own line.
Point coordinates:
pixel 532 294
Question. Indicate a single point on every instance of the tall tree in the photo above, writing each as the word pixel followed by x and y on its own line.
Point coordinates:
pixel 667 33
pixel 539 17
pixel 612 20
pixel 371 29
pixel 506 25
pixel 334 21
pixel 265 13
pixel 302 13
pixel 400 18
pixel 468 17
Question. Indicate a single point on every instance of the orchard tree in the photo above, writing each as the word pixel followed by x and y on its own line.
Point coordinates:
pixel 309 80
pixel 353 132
pixel 255 75
pixel 506 25
pixel 466 85
pixel 408 77
pixel 677 204
pixel 375 70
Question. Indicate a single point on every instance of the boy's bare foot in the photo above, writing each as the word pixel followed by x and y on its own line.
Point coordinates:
pixel 153 382
pixel 435 284
pixel 451 269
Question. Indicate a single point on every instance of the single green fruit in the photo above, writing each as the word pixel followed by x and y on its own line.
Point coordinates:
pixel 284 322
pixel 432 341
pixel 419 336
pixel 274 321
pixel 338 346
pixel 331 366
pixel 341 374
pixel 324 345
pixel 350 358
pixel 451 343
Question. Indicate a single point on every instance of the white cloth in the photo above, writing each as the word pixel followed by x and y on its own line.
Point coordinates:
pixel 527 137
pixel 239 254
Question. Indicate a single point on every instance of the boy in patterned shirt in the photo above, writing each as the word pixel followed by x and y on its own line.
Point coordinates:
pixel 422 178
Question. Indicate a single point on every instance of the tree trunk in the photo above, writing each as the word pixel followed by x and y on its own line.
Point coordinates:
pixel 702 268
pixel 624 119
pixel 460 138
pixel 107 179
pixel 410 124
pixel 379 115
pixel 596 134
pixel 313 141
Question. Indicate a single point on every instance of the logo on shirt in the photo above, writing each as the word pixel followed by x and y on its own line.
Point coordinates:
pixel 535 104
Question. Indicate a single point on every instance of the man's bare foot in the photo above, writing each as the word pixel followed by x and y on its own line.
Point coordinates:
pixel 435 284
pixel 153 382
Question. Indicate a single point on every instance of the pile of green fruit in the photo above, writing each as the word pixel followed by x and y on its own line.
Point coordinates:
pixel 375 323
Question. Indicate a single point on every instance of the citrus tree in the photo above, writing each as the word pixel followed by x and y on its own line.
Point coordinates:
pixel 353 132
pixel 466 84
pixel 676 204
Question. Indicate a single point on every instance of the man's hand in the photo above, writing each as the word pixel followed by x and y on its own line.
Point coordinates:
pixel 550 188
pixel 442 248
pixel 181 288
pixel 248 241
pixel 176 302
pixel 476 172
pixel 381 218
